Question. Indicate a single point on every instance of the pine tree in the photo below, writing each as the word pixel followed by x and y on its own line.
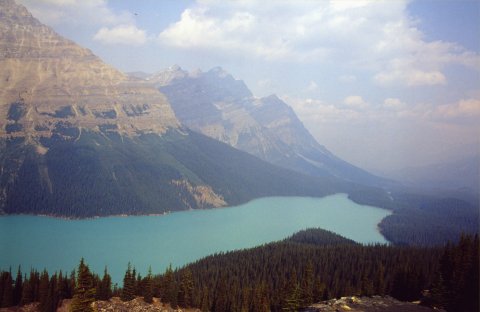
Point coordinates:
pixel 169 288
pixel 45 295
pixel 185 295
pixel 61 288
pixel 221 295
pixel 7 294
pixel 84 294
pixel 294 300
pixel 308 279
pixel 104 287
pixel 72 284
pixel 128 292
pixel 17 290
pixel 54 292
pixel 28 291
pixel 148 291
pixel 205 304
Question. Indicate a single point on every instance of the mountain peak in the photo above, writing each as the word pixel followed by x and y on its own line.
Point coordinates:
pixel 175 67
pixel 219 72
pixel 165 77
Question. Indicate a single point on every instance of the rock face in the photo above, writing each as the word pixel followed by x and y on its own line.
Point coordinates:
pixel 366 304
pixel 47 81
pixel 217 105
pixel 135 305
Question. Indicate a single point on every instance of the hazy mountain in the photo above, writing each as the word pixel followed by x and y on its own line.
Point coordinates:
pixel 216 104
pixel 79 138
pixel 458 174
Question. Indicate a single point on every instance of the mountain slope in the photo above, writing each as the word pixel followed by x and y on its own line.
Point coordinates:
pixel 106 174
pixel 79 139
pixel 217 105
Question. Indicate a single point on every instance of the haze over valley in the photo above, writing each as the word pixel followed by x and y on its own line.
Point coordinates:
pixel 215 189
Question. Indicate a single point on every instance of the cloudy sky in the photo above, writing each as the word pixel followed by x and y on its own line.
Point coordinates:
pixel 383 84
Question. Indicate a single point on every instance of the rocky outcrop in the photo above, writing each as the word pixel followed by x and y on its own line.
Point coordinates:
pixel 135 305
pixel 203 195
pixel 47 82
pixel 367 304
pixel 112 305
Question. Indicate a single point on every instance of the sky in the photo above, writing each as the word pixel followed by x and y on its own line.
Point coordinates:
pixel 382 84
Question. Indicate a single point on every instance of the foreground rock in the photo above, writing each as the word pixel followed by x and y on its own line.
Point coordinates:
pixel 136 305
pixel 112 305
pixel 366 304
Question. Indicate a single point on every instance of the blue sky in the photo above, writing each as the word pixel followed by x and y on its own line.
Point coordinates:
pixel 383 84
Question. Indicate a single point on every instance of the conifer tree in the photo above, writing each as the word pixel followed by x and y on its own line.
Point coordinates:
pixel 54 292
pixel 27 293
pixel 148 287
pixel 84 294
pixel 7 290
pixel 185 295
pixel 44 293
pixel 128 292
pixel 294 300
pixel 134 281
pixel 17 290
pixel 61 288
pixel 105 286
pixel 308 279
pixel 169 288
pixel 205 304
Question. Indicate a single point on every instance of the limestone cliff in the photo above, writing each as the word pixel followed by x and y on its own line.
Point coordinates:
pixel 47 81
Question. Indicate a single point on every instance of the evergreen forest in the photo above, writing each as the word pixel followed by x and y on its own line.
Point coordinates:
pixel 310 266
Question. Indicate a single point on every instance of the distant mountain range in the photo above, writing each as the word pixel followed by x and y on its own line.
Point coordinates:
pixel 79 138
pixel 454 175
pixel 219 106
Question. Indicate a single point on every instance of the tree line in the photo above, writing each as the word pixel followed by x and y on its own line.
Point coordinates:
pixel 310 266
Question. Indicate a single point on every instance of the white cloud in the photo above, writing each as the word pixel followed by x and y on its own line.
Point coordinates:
pixel 314 111
pixel 122 34
pixel 108 27
pixel 465 109
pixel 356 102
pixel 393 104
pixel 72 12
pixel 377 36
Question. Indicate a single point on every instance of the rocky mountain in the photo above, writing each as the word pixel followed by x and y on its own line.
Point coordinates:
pixel 47 81
pixel 216 104
pixel 78 138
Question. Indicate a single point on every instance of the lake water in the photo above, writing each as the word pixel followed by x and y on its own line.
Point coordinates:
pixel 177 238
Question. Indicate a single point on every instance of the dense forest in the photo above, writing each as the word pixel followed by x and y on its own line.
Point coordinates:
pixel 103 174
pixel 427 220
pixel 310 266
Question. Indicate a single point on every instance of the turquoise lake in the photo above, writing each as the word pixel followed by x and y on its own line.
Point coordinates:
pixel 177 238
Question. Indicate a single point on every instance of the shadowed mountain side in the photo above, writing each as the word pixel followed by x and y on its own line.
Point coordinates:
pixel 101 174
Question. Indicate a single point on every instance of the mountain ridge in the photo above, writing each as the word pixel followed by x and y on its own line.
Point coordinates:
pixel 222 107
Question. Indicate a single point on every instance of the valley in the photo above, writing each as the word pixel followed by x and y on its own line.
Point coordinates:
pixel 192 189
